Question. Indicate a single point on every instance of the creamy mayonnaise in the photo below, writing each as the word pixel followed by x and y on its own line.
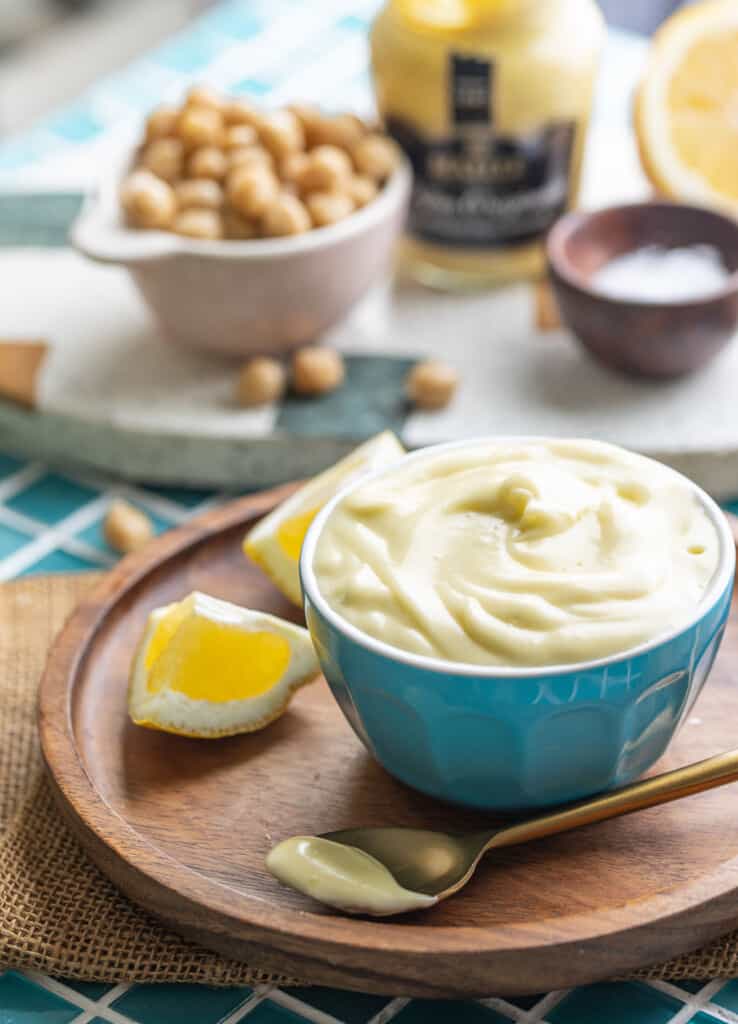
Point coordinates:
pixel 342 876
pixel 518 553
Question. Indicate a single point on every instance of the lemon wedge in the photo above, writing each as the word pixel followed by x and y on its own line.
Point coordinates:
pixel 686 114
pixel 208 668
pixel 276 540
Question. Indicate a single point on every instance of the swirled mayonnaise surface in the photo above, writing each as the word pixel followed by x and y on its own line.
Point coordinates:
pixel 530 553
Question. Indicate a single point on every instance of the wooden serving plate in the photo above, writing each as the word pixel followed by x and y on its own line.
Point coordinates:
pixel 182 826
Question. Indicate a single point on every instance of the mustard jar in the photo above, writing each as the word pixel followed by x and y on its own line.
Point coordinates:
pixel 490 101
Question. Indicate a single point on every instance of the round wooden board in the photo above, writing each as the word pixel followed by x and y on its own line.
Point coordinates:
pixel 182 826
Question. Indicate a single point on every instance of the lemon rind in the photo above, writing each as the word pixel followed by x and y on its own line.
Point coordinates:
pixel 158 711
pixel 660 161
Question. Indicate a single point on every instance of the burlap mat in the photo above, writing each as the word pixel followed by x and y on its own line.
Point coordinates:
pixel 58 914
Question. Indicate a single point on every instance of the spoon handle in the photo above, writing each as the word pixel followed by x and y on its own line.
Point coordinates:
pixel 715 771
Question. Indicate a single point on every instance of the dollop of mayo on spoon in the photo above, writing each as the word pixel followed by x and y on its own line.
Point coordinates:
pixel 343 877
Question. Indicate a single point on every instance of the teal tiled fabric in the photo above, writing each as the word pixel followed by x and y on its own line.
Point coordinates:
pixel 59 561
pixel 90 989
pixel 8 464
pixel 51 498
pixel 441 1011
pixel 179 1004
pixel 11 539
pixel 615 1004
pixel 22 1002
pixel 187 496
pixel 351 1007
pixel 728 997
pixel 269 1013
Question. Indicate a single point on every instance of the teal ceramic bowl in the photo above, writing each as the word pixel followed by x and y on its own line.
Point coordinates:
pixel 513 738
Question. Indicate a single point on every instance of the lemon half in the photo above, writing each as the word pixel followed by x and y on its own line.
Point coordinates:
pixel 686 114
pixel 208 668
pixel 276 540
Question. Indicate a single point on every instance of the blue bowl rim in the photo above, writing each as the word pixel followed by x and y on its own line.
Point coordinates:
pixel 722 577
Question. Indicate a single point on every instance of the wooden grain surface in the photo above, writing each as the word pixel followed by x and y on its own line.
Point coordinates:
pixel 182 826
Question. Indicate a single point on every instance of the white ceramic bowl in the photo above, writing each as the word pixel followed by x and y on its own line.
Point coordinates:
pixel 242 297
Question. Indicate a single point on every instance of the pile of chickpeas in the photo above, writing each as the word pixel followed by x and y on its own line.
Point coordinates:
pixel 217 167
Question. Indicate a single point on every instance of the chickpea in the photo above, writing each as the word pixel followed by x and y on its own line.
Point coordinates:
pixel 250 156
pixel 361 189
pixel 281 133
pixel 328 207
pixel 200 126
pixel 203 96
pixel 375 156
pixel 308 115
pixel 207 162
pixel 161 123
pixel 202 192
pixel 260 381
pixel 327 169
pixel 198 222
pixel 240 111
pixel 126 528
pixel 431 384
pixel 316 371
pixel 238 227
pixel 293 166
pixel 164 158
pixel 239 135
pixel 344 131
pixel 286 215
pixel 252 189
pixel 147 201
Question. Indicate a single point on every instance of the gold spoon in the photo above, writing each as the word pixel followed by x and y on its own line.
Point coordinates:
pixel 381 871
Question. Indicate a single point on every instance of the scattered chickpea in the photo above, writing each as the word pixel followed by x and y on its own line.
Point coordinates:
pixel 260 381
pixel 285 216
pixel 316 371
pixel 252 190
pixel 126 528
pixel 361 189
pixel 240 111
pixel 164 158
pixel 343 130
pixel 431 384
pixel 147 201
pixel 198 223
pixel 161 123
pixel 328 207
pixel 204 96
pixel 239 135
pixel 250 156
pixel 202 192
pixel 281 133
pixel 200 126
pixel 327 169
pixel 207 162
pixel 237 226
pixel 375 156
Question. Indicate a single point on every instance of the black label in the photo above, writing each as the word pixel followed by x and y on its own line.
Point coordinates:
pixel 470 91
pixel 479 189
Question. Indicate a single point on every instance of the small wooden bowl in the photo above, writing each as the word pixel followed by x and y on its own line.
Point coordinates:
pixel 654 339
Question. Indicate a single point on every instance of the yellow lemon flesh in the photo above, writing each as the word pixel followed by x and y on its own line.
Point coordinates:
pixel 687 106
pixel 208 668
pixel 276 540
